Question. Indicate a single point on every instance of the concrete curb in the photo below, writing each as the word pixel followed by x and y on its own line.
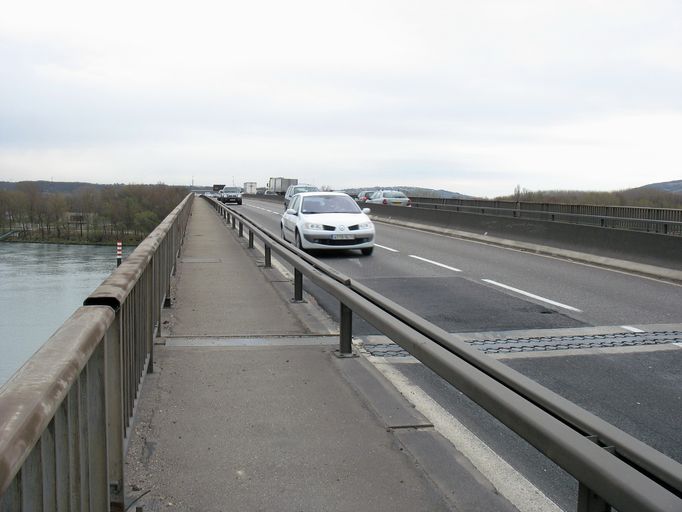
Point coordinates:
pixel 644 269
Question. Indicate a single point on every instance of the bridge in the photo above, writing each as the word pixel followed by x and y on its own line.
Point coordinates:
pixel 471 363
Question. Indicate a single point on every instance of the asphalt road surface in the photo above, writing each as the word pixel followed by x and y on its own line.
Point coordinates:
pixel 470 287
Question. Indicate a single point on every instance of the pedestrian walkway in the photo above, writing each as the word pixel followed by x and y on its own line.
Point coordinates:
pixel 249 409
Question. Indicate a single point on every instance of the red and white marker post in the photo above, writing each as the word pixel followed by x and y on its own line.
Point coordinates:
pixel 119 252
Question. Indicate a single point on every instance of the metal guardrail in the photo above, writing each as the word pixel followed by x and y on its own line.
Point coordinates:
pixel 612 467
pixel 65 416
pixel 666 221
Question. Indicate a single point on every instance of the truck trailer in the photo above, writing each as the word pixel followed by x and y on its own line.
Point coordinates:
pixel 250 187
pixel 280 185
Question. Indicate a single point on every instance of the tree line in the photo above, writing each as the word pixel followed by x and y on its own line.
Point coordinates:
pixel 89 214
pixel 642 197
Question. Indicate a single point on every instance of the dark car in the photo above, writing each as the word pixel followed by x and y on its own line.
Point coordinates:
pixel 231 195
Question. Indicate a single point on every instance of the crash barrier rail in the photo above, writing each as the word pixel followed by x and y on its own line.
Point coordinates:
pixel 666 221
pixel 66 415
pixel 612 467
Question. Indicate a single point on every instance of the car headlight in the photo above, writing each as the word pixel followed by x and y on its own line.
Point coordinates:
pixel 311 226
pixel 365 225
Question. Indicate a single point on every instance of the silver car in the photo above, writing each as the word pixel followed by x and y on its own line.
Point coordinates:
pixel 297 189
pixel 327 220
pixel 392 197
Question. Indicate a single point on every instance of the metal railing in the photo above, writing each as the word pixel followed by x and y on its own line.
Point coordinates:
pixel 666 221
pixel 612 467
pixel 65 416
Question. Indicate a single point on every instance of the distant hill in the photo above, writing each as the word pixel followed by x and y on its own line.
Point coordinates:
pixel 414 192
pixel 667 186
pixel 64 187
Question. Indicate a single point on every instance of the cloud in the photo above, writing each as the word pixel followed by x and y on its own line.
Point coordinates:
pixel 472 96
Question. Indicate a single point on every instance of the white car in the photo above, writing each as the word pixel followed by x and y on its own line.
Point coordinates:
pixel 297 189
pixel 327 220
pixel 389 197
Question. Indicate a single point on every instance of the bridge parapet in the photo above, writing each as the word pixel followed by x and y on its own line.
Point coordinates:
pixel 65 416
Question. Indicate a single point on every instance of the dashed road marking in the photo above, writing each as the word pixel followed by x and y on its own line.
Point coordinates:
pixel 386 248
pixel 264 209
pixel 435 263
pixel 532 295
pixel 631 329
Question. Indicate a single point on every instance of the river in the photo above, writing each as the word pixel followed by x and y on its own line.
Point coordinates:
pixel 41 285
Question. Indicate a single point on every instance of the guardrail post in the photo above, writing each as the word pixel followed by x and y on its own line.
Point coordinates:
pixel 298 286
pixel 241 229
pixel 346 332
pixel 233 221
pixel 250 239
pixel 588 501
pixel 268 256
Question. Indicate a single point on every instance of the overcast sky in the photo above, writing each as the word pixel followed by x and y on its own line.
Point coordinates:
pixel 470 96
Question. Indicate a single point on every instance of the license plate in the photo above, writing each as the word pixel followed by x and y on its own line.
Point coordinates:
pixel 342 237
pixel 397 202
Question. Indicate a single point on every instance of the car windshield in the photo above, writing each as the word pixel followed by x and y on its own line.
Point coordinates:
pixel 329 204
pixel 394 195
pixel 298 190
pixel 232 190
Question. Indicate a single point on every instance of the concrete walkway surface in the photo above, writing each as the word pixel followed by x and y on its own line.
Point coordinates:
pixel 249 409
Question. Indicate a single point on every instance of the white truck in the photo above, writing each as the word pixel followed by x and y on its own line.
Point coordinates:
pixel 280 185
pixel 250 187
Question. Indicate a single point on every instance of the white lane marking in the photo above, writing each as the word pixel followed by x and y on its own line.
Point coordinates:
pixel 264 209
pixel 631 329
pixel 435 263
pixel 509 482
pixel 387 248
pixel 532 295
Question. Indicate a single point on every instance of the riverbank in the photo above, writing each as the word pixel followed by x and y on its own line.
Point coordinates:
pixel 130 242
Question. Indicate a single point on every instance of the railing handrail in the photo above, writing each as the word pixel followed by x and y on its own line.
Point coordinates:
pixel 553 213
pixel 28 401
pixel 116 287
pixel 547 204
pixel 64 415
pixel 633 477
pixel 666 221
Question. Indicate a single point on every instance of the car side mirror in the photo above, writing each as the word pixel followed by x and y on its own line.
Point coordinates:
pixel 291 211
pixel 366 211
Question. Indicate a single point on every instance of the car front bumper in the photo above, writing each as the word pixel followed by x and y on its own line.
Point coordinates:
pixel 323 240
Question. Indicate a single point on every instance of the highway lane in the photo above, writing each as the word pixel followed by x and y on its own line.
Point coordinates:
pixel 453 280
pixel 464 286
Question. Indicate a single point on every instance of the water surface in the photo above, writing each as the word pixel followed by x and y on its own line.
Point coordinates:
pixel 41 285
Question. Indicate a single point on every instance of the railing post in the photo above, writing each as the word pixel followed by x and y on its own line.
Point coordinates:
pixel 268 256
pixel 346 332
pixel 241 229
pixel 97 430
pixel 115 422
pixel 233 221
pixel 250 239
pixel 298 286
